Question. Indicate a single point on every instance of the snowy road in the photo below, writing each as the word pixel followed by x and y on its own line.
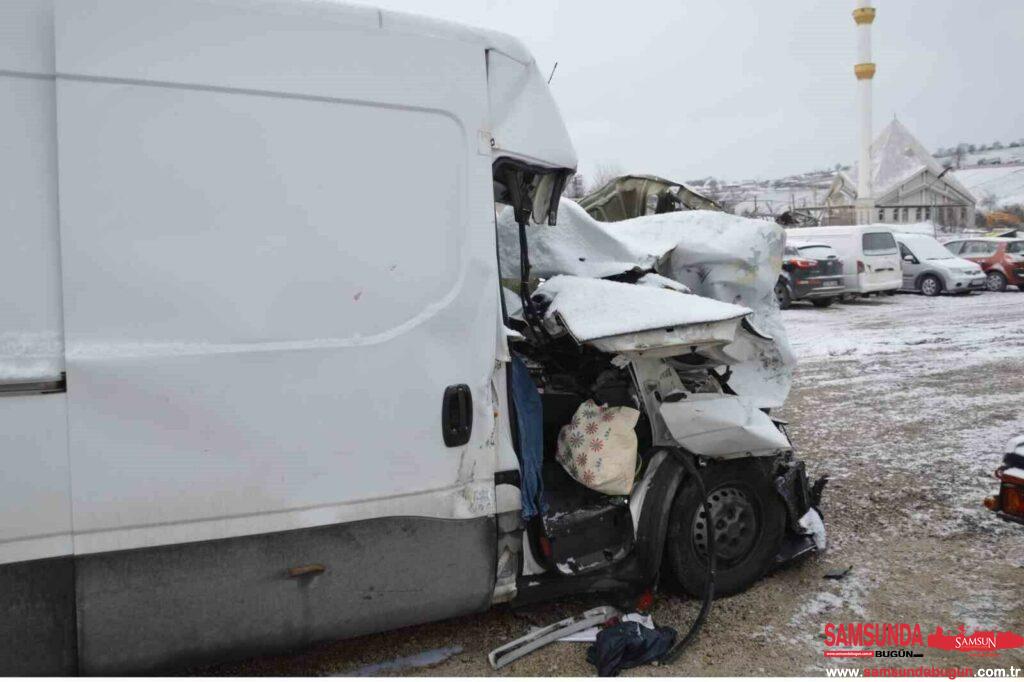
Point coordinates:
pixel 906 402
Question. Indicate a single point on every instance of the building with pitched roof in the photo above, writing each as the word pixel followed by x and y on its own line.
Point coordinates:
pixel 907 184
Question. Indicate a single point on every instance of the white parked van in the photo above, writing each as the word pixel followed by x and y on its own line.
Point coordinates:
pixel 255 384
pixel 870 255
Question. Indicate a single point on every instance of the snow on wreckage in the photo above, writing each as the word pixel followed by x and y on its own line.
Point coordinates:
pixel 672 315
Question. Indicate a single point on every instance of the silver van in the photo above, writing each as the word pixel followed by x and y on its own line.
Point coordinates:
pixel 931 268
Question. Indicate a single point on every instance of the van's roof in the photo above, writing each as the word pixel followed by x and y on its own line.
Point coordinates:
pixel 804 245
pixel 33 50
pixel 430 26
pixel 341 12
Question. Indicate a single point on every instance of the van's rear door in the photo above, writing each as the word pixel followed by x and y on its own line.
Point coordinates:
pixel 881 259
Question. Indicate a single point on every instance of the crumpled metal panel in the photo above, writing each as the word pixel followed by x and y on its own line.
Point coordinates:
pixel 727 426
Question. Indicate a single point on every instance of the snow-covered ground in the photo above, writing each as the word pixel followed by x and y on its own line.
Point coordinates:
pixel 906 402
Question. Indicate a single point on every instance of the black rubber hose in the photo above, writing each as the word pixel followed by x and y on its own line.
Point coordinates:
pixel 687 459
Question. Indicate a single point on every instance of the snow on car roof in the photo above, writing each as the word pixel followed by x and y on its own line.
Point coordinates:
pixel 597 308
pixel 986 239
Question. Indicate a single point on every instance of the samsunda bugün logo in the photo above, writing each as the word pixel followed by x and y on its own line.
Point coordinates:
pixel 897 640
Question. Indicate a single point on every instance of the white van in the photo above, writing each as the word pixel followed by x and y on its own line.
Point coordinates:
pixel 870 255
pixel 254 373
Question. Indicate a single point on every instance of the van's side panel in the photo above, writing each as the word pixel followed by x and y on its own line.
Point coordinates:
pixel 213 601
pixel 277 244
pixel 274 260
pixel 37 607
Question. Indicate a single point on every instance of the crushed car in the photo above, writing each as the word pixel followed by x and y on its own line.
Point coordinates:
pixel 632 196
pixel 674 316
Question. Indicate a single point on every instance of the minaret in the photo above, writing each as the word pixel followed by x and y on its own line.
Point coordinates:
pixel 865 71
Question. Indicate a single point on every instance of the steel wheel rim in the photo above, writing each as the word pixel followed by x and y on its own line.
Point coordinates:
pixel 735 524
pixel 993 280
pixel 929 287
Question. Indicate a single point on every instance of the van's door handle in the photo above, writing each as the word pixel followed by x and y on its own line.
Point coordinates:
pixel 457 415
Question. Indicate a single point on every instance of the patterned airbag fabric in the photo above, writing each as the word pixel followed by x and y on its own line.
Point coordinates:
pixel 598 447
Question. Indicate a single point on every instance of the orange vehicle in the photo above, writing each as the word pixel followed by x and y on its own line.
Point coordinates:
pixel 1002 259
pixel 1008 504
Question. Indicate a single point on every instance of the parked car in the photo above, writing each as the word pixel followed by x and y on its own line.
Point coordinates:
pixel 810 272
pixel 1008 503
pixel 1002 259
pixel 254 402
pixel 871 261
pixel 929 267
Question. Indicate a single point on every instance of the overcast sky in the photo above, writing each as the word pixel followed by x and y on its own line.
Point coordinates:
pixel 751 89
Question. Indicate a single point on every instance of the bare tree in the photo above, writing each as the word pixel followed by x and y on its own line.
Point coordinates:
pixel 604 173
pixel 958 155
pixel 576 187
pixel 725 195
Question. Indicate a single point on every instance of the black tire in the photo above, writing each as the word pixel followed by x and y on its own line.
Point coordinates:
pixel 995 281
pixel 822 302
pixel 747 543
pixel 930 285
pixel 782 295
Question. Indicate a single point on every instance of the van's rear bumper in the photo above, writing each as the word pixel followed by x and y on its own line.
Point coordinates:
pixel 889 284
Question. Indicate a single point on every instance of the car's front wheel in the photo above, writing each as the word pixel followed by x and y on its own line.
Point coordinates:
pixel 782 295
pixel 995 281
pixel 747 520
pixel 930 285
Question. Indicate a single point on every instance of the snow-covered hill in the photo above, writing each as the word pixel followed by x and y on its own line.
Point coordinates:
pixel 994 176
pixel 1004 184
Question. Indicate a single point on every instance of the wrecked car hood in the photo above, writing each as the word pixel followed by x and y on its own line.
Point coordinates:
pixel 717 255
pixel 632 319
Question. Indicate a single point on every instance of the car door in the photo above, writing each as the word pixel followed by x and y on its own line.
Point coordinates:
pixel 911 268
pixel 979 252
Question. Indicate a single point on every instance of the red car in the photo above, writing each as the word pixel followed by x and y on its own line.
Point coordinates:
pixel 1002 259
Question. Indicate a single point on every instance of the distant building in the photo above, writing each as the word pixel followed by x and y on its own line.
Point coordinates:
pixel 908 186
